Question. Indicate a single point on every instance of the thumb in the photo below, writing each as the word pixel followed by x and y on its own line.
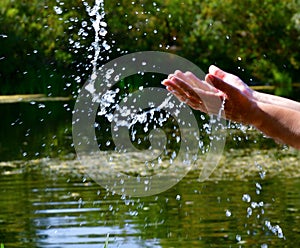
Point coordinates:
pixel 220 84
pixel 216 71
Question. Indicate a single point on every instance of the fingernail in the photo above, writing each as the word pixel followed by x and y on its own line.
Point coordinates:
pixel 170 89
pixel 208 78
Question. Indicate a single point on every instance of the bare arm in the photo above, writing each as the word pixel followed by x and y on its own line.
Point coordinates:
pixel 282 124
pixel 276 100
pixel 258 96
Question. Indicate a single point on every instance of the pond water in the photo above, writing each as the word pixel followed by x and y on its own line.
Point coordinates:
pixel 252 199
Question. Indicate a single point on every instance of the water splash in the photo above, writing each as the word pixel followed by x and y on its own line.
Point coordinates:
pixel 222 108
pixel 258 208
pixel 99 26
pixel 138 109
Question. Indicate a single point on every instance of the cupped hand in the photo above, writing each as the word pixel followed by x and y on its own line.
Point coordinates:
pixel 207 96
pixel 198 94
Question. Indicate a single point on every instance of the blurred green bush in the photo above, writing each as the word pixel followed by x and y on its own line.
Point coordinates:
pixel 42 48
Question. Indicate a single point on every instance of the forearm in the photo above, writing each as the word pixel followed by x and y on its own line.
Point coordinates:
pixel 276 100
pixel 281 124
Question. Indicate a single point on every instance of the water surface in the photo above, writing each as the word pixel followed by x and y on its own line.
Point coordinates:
pixel 47 200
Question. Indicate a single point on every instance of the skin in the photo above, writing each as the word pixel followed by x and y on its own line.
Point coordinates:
pixel 277 117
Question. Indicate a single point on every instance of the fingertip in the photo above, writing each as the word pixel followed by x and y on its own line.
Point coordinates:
pixel 164 82
pixel 178 73
pixel 169 88
pixel 209 78
pixel 170 76
pixel 216 71
pixel 212 69
pixel 215 81
pixel 189 74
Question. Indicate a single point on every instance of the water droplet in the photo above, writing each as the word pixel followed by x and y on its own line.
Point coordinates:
pixel 84 24
pixel 249 212
pixel 103 24
pixel 246 198
pixel 238 238
pixel 58 10
pixel 103 32
pixel 40 106
pixel 228 213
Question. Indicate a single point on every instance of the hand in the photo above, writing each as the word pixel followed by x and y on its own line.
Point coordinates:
pixel 238 105
pixel 201 95
pixel 232 80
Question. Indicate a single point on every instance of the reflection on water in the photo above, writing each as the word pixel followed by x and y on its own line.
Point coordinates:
pixel 44 209
pixel 47 201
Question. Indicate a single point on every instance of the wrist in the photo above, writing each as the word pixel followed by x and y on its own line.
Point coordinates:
pixel 255 117
pixel 256 96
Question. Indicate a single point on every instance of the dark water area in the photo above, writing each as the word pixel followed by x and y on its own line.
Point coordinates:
pixel 35 129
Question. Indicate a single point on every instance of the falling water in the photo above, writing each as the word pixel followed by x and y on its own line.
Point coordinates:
pixel 256 209
pixel 99 25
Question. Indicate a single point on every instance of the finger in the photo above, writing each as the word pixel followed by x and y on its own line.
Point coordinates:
pixel 225 76
pixel 170 76
pixel 220 84
pixel 183 88
pixel 189 78
pixel 216 71
pixel 198 83
pixel 191 101
pixel 174 88
pixel 192 79
pixel 175 93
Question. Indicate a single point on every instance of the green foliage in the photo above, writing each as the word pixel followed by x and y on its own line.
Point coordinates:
pixel 35 51
pixel 42 50
pixel 283 82
pixel 250 38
